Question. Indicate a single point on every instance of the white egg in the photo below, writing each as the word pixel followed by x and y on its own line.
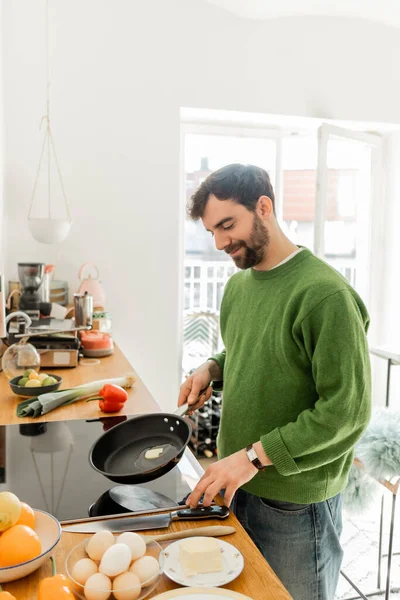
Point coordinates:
pixel 126 587
pixel 99 543
pixel 83 569
pixel 115 560
pixel 98 587
pixel 135 542
pixel 146 568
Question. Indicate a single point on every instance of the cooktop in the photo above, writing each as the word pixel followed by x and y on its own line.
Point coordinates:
pixel 47 466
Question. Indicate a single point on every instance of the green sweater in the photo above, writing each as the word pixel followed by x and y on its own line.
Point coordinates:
pixel 296 374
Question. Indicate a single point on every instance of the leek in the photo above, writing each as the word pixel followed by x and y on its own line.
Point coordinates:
pixel 43 404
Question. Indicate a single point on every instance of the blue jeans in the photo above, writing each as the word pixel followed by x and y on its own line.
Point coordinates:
pixel 299 541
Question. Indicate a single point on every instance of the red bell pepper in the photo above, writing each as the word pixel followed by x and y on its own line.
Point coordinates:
pixel 112 398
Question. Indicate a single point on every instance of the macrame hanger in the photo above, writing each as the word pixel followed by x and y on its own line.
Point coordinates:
pixel 48 142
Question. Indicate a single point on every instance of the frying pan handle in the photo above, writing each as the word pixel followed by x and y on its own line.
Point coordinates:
pixel 182 410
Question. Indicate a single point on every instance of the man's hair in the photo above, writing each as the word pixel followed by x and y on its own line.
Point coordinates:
pixel 242 183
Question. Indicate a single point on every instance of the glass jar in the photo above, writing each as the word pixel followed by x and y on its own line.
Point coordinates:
pixel 18 358
pixel 102 322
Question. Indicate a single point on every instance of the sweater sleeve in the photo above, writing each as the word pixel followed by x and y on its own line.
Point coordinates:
pixel 333 336
pixel 220 360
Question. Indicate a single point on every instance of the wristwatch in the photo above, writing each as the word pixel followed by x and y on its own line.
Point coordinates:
pixel 253 458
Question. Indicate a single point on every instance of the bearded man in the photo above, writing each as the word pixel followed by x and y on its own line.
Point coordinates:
pixel 295 374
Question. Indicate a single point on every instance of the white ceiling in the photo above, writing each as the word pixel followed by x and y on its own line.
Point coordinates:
pixel 382 11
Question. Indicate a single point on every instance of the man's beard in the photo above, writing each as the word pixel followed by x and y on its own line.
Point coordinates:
pixel 254 251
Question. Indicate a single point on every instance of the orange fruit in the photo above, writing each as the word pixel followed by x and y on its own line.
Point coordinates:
pixel 27 516
pixel 18 544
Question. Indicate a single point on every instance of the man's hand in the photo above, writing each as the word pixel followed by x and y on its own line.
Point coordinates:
pixel 200 379
pixel 229 474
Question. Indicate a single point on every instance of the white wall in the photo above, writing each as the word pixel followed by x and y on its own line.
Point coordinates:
pixel 121 71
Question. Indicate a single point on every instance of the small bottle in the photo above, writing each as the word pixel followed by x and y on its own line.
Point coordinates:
pixel 205 448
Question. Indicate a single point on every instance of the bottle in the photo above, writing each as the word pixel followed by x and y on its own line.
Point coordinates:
pixel 206 448
pixel 215 417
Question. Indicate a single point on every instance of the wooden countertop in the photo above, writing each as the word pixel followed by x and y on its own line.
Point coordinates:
pixel 139 401
pixel 257 580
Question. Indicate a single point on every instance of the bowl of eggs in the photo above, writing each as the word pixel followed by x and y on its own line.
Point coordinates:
pixel 105 566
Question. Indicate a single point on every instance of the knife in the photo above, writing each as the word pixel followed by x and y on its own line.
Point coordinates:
pixel 161 521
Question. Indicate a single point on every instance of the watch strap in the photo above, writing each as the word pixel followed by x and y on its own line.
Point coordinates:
pixel 256 462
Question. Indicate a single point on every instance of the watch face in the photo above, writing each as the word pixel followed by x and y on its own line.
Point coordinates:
pixel 252 454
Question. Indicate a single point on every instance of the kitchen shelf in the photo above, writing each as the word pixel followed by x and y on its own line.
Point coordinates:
pixel 204 432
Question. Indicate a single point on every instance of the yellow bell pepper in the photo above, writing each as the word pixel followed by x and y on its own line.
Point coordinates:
pixel 55 587
pixel 6 595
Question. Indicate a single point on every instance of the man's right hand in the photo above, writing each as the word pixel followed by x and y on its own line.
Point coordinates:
pixel 200 379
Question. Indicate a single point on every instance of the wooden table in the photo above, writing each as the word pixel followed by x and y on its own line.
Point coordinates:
pixel 257 580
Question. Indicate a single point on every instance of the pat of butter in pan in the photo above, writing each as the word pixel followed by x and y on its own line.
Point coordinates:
pixel 200 555
pixel 153 453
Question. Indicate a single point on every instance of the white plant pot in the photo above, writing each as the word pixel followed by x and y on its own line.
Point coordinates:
pixel 49 231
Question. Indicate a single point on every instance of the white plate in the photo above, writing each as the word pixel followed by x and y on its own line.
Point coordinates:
pixel 201 594
pixel 232 566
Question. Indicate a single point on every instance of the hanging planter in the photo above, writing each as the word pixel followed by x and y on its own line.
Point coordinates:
pixel 49 229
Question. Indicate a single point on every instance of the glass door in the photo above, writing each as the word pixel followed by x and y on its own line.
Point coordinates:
pixel 206 270
pixel 348 189
pixel 298 172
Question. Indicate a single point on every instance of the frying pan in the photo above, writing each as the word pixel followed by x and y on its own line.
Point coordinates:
pixel 120 453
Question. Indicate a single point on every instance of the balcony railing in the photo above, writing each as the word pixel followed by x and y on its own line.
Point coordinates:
pixel 205 281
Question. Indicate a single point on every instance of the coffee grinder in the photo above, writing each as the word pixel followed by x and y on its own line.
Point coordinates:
pixel 31 276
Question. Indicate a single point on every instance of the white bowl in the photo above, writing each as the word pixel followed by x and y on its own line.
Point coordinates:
pixel 49 231
pixel 49 531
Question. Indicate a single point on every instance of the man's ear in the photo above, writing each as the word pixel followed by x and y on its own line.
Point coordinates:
pixel 264 207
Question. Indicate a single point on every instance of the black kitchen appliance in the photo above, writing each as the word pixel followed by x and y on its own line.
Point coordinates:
pixel 57 350
pixel 31 277
pixel 55 340
pixel 47 466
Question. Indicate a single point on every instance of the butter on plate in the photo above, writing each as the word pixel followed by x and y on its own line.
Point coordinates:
pixel 200 555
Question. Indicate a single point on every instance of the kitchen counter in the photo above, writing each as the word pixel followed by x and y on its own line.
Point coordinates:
pixel 257 580
pixel 139 401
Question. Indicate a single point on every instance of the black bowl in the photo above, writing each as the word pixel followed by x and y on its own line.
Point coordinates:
pixel 21 390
